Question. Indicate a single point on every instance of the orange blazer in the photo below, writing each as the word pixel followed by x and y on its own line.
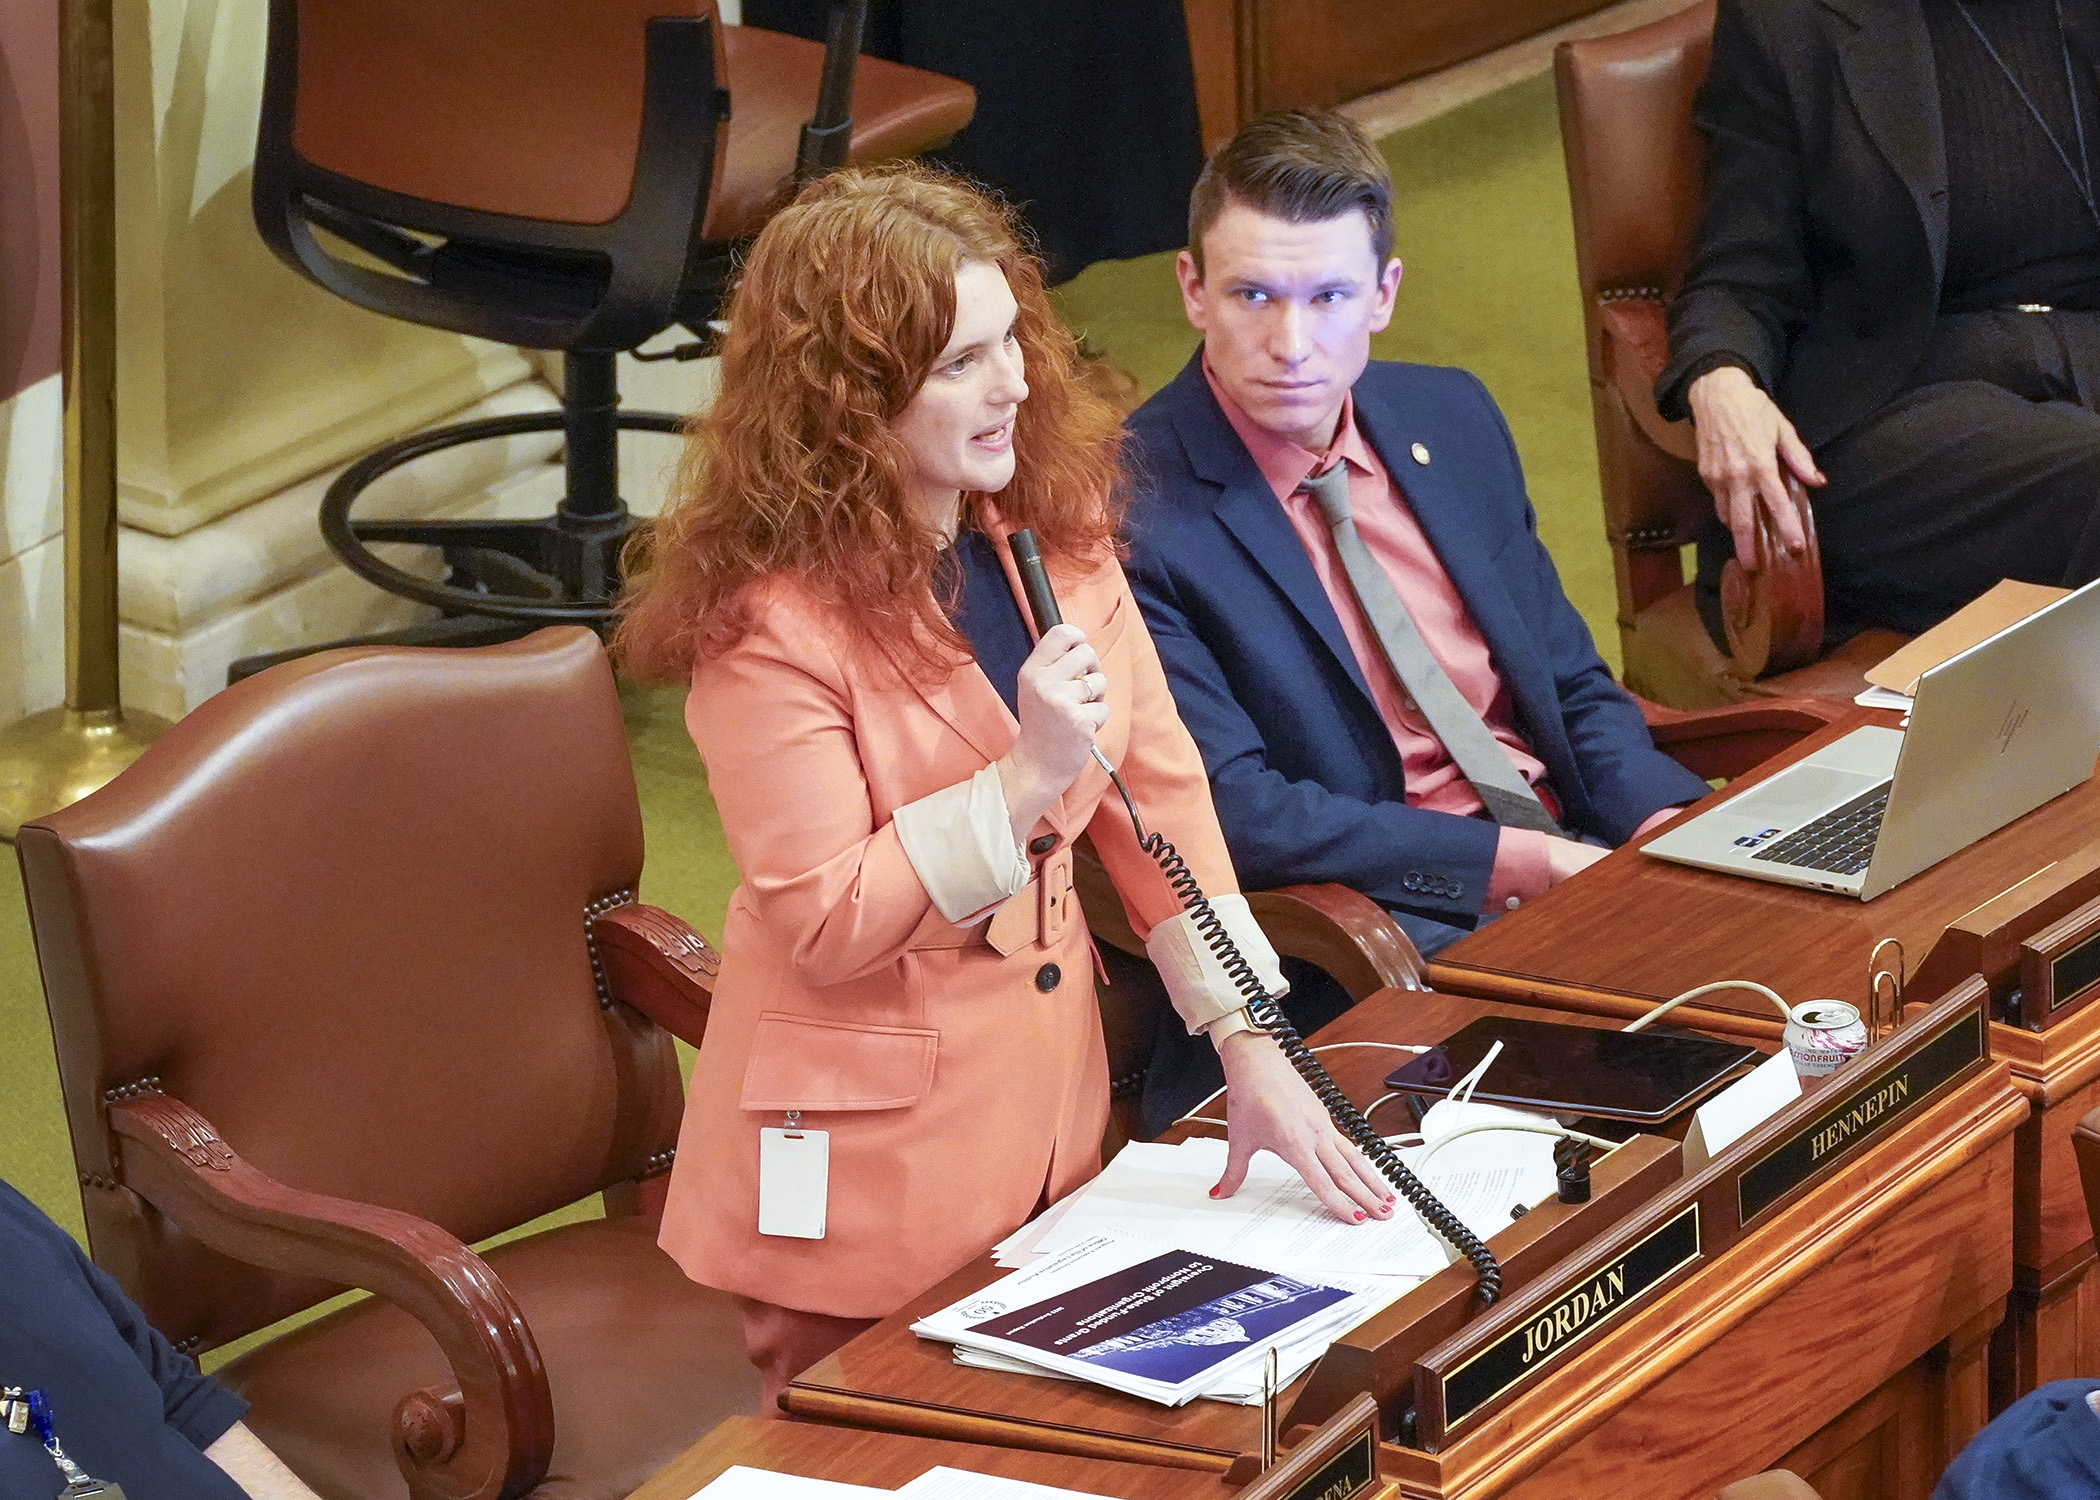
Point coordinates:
pixel 959 1070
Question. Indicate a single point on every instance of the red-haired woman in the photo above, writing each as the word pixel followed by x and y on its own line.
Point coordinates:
pixel 901 772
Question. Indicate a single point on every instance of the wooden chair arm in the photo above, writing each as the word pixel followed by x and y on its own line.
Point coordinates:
pixel 658 964
pixel 1342 931
pixel 490 1439
pixel 1722 743
pixel 1636 346
pixel 1774 617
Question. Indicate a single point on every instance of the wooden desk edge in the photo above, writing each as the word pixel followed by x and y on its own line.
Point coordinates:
pixel 890 1414
pixel 1551 994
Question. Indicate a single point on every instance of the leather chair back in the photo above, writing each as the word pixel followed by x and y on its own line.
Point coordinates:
pixel 1634 178
pixel 340 911
pixel 546 124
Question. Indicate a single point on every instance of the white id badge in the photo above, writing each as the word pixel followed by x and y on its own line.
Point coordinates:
pixel 794 1180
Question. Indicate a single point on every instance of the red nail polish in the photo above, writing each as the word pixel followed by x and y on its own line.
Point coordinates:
pixel 1359 1216
pixel 1214 1192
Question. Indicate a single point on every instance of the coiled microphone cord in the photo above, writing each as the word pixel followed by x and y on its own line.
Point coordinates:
pixel 1269 1017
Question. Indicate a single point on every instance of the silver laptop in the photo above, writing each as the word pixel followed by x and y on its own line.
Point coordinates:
pixel 1994 732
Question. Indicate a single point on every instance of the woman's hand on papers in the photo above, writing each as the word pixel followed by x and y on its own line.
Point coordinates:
pixel 1269 1108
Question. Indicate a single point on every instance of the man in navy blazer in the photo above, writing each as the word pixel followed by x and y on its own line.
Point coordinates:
pixel 1307 734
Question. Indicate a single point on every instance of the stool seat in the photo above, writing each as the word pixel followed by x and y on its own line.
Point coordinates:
pixel 626 1404
pixel 897 111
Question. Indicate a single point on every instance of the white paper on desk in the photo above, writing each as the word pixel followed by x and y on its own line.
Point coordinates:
pixel 1024 1245
pixel 741 1482
pixel 1743 1106
pixel 1161 1194
pixel 1881 697
pixel 957 1484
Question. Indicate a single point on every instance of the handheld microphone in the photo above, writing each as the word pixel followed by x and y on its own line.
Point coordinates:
pixel 1042 603
pixel 1035 581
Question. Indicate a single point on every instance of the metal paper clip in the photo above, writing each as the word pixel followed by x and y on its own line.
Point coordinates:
pixel 1878 1024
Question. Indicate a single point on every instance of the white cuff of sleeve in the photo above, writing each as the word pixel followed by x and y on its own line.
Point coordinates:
pixel 960 841
pixel 1196 981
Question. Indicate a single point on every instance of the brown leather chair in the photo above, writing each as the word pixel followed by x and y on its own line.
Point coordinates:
pixel 1634 165
pixel 342 976
pixel 553 175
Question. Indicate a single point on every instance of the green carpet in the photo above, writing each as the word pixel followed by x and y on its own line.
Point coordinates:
pixel 1482 223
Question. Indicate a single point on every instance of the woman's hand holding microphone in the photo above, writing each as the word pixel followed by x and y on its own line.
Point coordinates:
pixel 1063 701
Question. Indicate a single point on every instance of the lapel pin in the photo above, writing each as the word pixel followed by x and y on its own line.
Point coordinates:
pixel 1420 452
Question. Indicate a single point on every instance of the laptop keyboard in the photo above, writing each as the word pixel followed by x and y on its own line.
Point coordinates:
pixel 1841 841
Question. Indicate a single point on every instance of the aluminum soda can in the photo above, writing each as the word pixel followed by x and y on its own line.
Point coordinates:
pixel 1823 1035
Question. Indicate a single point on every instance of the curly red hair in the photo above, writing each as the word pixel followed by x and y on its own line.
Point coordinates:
pixel 845 301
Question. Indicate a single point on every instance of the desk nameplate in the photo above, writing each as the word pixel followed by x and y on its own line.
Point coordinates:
pixel 1337 1461
pixel 2060 969
pixel 1924 1063
pixel 1570 1319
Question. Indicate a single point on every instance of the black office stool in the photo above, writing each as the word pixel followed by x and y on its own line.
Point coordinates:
pixel 553 174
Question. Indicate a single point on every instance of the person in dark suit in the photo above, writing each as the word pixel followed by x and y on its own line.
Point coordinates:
pixel 1893 300
pixel 1333 753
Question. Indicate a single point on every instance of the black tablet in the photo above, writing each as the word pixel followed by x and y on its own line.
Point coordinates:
pixel 1578 1070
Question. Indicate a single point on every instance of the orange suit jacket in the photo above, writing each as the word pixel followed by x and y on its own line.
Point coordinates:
pixel 955 1087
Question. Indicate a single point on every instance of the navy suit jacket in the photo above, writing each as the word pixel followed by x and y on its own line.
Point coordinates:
pixel 1308 784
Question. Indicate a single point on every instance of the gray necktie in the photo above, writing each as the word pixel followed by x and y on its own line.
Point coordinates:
pixel 1510 801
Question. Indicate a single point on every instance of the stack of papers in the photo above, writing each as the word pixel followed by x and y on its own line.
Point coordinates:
pixel 1166 1325
pixel 1108 1280
pixel 1161 1194
pixel 742 1482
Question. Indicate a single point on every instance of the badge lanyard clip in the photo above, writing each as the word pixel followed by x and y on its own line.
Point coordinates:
pixel 23 1410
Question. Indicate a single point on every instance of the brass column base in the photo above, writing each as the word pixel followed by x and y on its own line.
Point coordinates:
pixel 53 759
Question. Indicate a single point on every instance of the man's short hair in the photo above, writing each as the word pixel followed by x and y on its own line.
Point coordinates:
pixel 1304 166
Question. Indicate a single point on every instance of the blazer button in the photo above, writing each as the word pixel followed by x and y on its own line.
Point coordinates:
pixel 1047 977
pixel 1042 844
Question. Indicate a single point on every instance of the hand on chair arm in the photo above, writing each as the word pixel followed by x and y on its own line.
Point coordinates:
pixel 1751 458
pixel 492 1437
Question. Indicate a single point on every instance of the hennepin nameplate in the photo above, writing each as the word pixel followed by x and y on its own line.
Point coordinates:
pixel 1568 1320
pixel 1861 1115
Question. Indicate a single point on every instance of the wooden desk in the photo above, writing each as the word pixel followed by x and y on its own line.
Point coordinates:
pixel 1843 1334
pixel 886 1460
pixel 1633 930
